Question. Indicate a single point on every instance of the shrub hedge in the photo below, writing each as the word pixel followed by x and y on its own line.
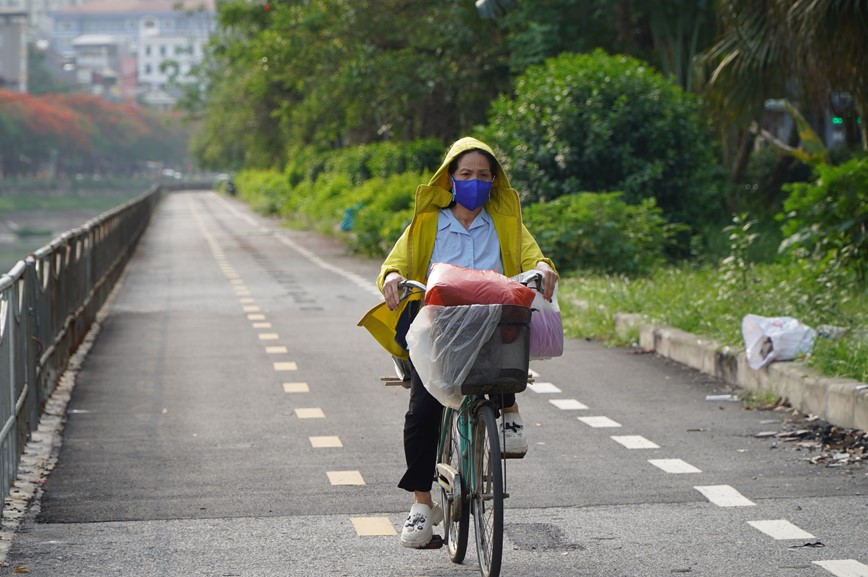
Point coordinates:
pixel 595 122
pixel 599 231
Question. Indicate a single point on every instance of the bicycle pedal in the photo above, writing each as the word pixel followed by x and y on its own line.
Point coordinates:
pixel 436 542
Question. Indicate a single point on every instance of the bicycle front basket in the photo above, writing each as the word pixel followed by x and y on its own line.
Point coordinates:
pixel 502 364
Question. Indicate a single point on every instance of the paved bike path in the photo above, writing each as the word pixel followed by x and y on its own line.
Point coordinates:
pixel 227 421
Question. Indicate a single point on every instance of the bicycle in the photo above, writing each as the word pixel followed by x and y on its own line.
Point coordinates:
pixel 471 471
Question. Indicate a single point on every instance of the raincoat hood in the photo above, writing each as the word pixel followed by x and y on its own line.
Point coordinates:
pixel 438 193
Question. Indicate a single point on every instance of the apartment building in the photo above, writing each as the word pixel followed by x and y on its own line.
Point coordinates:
pixel 163 39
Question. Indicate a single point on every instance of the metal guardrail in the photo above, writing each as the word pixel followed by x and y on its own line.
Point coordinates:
pixel 48 302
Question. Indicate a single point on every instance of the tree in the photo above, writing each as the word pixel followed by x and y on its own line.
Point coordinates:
pixel 334 73
pixel 782 49
pixel 602 123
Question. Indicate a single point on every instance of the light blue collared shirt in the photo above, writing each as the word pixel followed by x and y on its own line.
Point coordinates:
pixel 477 248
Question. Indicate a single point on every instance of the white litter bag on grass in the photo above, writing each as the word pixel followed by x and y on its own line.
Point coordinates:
pixel 444 342
pixel 770 339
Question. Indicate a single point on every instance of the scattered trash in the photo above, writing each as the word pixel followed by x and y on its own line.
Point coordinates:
pixel 831 331
pixel 814 545
pixel 835 446
pixel 770 339
pixel 722 398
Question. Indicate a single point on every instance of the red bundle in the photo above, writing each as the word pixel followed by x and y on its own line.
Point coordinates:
pixel 451 285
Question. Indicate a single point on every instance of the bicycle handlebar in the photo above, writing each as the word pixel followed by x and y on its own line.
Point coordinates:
pixel 532 276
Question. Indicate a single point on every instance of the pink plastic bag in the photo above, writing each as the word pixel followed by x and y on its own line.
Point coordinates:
pixel 546 328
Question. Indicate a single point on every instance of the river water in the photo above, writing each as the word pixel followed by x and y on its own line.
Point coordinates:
pixel 24 231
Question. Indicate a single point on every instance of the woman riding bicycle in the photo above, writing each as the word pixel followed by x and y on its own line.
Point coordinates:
pixel 468 215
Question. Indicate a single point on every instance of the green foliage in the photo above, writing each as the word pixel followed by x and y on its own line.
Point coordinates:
pixel 599 122
pixel 333 74
pixel 387 210
pixel 735 268
pixel 363 194
pixel 827 220
pixel 600 231
pixel 264 190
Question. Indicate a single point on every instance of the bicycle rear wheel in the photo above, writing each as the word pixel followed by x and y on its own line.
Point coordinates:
pixel 487 492
pixel 456 512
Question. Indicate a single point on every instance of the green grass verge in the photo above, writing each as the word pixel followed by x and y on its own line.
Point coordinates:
pixel 712 303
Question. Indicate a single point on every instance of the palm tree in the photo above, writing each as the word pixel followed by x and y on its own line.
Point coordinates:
pixel 783 48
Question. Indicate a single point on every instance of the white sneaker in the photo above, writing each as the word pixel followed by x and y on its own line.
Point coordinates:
pixel 417 532
pixel 515 442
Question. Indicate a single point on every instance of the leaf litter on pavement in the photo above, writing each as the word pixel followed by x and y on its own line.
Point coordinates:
pixel 829 445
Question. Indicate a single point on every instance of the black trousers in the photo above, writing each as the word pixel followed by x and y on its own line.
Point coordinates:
pixel 422 433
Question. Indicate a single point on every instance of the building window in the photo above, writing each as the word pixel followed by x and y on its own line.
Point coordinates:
pixel 147 69
pixel 162 49
pixel 147 50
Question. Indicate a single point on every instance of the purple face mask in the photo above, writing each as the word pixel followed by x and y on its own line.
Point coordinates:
pixel 471 194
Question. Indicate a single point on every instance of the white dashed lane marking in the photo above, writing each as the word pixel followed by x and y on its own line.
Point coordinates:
pixel 261 325
pixel 725 496
pixel 345 478
pixel 599 422
pixel 635 442
pixel 251 309
pixel 675 466
pixel 543 388
pixel 268 336
pixel 844 567
pixel 255 317
pixel 312 413
pixel 780 529
pixel 325 442
pixel 296 388
pixel 276 350
pixel 568 404
pixel 284 366
pixel 373 526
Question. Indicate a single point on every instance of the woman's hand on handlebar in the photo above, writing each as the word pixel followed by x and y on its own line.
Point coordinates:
pixel 550 279
pixel 392 289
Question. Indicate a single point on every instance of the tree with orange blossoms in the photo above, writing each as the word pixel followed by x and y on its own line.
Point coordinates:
pixel 30 129
pixel 119 128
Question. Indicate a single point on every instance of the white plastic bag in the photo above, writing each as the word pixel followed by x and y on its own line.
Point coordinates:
pixel 770 339
pixel 444 342
pixel 546 328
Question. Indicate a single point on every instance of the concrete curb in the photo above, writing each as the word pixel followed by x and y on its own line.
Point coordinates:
pixel 842 402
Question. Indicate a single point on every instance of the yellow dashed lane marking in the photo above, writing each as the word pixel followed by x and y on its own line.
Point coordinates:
pixel 296 388
pixel 325 442
pixel 256 317
pixel 313 413
pixel 285 366
pixel 268 336
pixel 373 526
pixel 251 309
pixel 275 350
pixel 345 478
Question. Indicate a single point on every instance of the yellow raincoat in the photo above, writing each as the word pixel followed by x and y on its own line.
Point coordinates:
pixel 411 254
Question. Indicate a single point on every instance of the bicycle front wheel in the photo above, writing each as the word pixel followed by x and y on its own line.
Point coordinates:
pixel 487 492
